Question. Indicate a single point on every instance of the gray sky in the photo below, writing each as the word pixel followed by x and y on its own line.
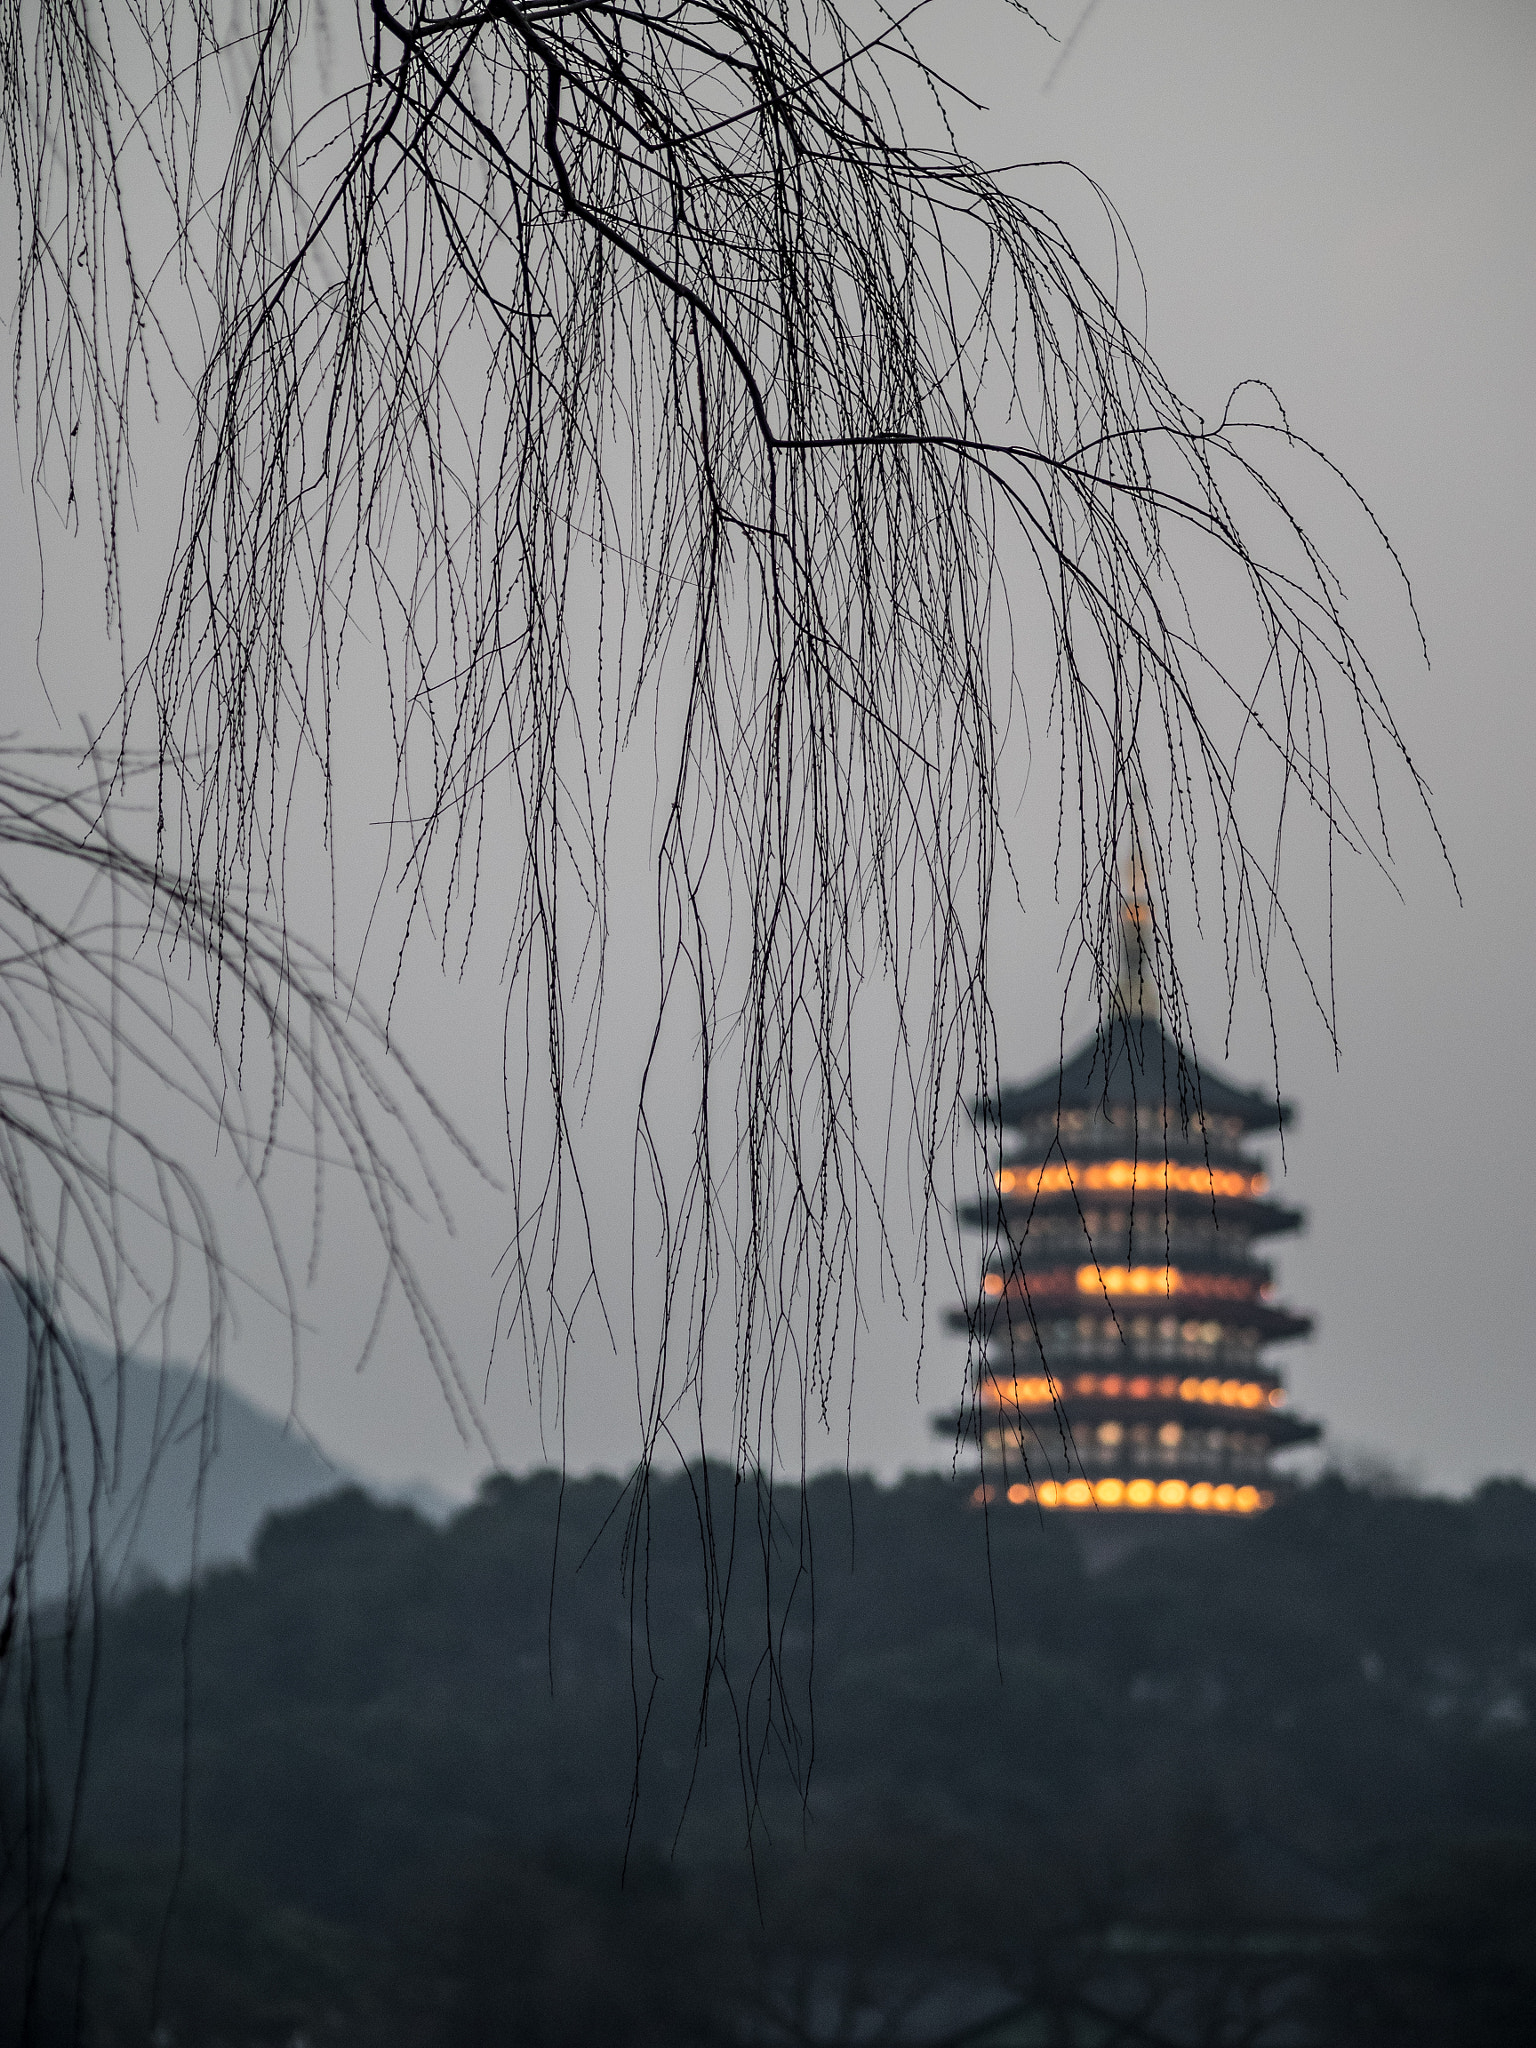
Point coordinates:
pixel 1338 199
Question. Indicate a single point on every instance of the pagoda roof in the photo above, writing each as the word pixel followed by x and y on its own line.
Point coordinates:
pixel 992 1318
pixel 1133 1062
pixel 1260 1216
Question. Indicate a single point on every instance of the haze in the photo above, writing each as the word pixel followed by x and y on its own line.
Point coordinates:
pixel 1338 200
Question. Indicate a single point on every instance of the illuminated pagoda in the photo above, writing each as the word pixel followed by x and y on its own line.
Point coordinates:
pixel 1124 1317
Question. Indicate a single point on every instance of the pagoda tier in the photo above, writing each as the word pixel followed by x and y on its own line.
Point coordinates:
pixel 1122 1318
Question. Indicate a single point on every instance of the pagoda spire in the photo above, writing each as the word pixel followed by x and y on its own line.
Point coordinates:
pixel 1136 993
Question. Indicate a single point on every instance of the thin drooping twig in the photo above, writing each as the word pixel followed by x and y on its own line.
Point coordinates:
pixel 113 979
pixel 571 372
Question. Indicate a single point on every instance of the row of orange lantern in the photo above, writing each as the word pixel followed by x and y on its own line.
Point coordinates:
pixel 1156 1280
pixel 1128 1176
pixel 1129 1280
pixel 1112 1386
pixel 1172 1496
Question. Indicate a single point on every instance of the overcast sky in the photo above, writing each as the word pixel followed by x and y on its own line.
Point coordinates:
pixel 1340 199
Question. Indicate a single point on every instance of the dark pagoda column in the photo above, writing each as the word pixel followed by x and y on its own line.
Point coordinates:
pixel 1122 1322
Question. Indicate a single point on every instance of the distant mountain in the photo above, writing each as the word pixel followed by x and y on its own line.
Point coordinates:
pixel 158 1430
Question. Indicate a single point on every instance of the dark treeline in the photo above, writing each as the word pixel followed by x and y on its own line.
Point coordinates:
pixel 947 1777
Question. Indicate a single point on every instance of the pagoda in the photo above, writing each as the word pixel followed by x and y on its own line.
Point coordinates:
pixel 1124 1314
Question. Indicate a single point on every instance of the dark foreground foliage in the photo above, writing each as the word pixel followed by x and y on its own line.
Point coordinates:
pixel 1273 1783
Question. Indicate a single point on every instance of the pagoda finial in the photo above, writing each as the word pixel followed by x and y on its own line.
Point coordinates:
pixel 1136 992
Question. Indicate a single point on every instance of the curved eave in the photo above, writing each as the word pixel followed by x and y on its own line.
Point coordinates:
pixel 1256 1218
pixel 1206 1272
pixel 1127 1064
pixel 1279 1430
pixel 1274 1325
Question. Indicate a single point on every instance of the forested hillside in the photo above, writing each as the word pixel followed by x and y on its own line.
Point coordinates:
pixel 951 1729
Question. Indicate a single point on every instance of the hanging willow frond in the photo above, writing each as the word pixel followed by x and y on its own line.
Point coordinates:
pixel 576 384
pixel 135 1017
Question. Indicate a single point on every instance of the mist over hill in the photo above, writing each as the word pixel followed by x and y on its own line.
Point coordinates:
pixel 187 1473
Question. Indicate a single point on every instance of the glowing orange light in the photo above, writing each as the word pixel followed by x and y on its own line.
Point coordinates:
pixel 1150 1280
pixel 1038 1391
pixel 1129 1176
pixel 1129 1279
pixel 999 1393
pixel 983 1494
pixel 1171 1495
